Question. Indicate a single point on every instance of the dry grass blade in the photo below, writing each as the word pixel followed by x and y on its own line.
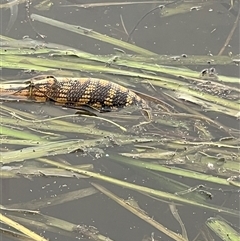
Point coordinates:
pixel 29 172
pixel 230 34
pixel 21 228
pixel 44 5
pixel 185 7
pixel 17 210
pixel 105 4
pixel 140 213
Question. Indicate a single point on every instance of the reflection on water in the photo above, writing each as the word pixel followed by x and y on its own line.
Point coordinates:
pixel 156 151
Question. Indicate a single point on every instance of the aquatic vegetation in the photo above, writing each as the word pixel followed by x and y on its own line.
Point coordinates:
pixel 194 135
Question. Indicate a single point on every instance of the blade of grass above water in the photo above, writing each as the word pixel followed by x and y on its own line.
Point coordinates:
pixel 138 62
pixel 29 172
pixel 222 229
pixel 44 5
pixel 60 147
pixel 106 4
pixel 184 8
pixel 20 228
pixel 27 66
pixel 9 131
pixel 53 148
pixel 29 47
pixel 90 33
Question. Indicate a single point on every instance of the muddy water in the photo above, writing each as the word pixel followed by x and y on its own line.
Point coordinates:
pixel 194 33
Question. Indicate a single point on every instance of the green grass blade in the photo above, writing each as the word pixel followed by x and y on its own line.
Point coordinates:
pixel 172 170
pixel 10 132
pixel 222 229
pixel 90 33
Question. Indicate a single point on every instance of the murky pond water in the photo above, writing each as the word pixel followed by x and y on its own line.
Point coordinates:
pixel 178 174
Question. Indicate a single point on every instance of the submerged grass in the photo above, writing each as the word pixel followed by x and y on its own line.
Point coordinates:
pixel 140 213
pixel 91 34
pixel 183 172
pixel 186 138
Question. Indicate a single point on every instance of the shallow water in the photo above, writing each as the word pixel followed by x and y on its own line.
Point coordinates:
pixel 200 32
